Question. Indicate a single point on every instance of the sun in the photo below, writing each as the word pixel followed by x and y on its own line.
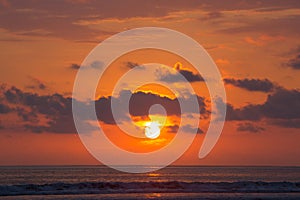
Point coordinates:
pixel 152 129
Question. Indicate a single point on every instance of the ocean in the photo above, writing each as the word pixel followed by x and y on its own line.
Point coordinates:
pixel 173 182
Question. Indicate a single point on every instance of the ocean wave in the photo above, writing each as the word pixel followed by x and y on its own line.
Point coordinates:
pixel 149 187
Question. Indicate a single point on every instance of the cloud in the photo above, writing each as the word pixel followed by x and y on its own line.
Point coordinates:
pixel 284 25
pixel 35 128
pixel 186 128
pixel 294 63
pixel 94 65
pixel 4 109
pixel 64 19
pixel 27 116
pixel 36 84
pixel 172 128
pixel 213 15
pixel 189 129
pixel 249 112
pixel 280 107
pixel 103 110
pixel 40 113
pixel 288 123
pixel 74 66
pixel 261 85
pixel 132 65
pixel 249 127
pixel 169 77
pixel 215 5
pixel 141 102
pixel 53 113
pixel 283 104
pixel 263 40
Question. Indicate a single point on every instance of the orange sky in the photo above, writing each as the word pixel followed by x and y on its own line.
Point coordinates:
pixel 255 46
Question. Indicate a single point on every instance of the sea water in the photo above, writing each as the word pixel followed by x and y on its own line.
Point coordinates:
pixel 173 182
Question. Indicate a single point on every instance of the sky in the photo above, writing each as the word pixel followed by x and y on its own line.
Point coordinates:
pixel 255 45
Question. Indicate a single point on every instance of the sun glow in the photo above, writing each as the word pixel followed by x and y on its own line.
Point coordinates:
pixel 152 129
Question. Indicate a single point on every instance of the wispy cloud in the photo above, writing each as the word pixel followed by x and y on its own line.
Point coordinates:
pixel 249 127
pixel 37 84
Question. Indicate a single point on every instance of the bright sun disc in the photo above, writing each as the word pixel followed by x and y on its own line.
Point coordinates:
pixel 152 130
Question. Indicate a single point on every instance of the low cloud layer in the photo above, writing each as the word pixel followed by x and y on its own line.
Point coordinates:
pixel 53 113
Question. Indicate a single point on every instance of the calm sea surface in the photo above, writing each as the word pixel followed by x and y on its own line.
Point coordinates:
pixel 175 182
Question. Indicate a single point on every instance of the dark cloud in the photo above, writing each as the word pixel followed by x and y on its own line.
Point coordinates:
pixel 262 85
pixel 294 63
pixel 4 109
pixel 186 128
pixel 53 113
pixel 132 65
pixel 190 129
pixel 36 84
pixel 96 65
pixel 93 65
pixel 168 77
pixel 190 76
pixel 48 104
pixel 74 66
pixel 249 112
pixel 103 110
pixel 249 127
pixel 141 102
pixel 35 128
pixel 27 116
pixel 281 106
pixel 289 123
pixel 55 109
pixel 172 129
pixel 213 15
